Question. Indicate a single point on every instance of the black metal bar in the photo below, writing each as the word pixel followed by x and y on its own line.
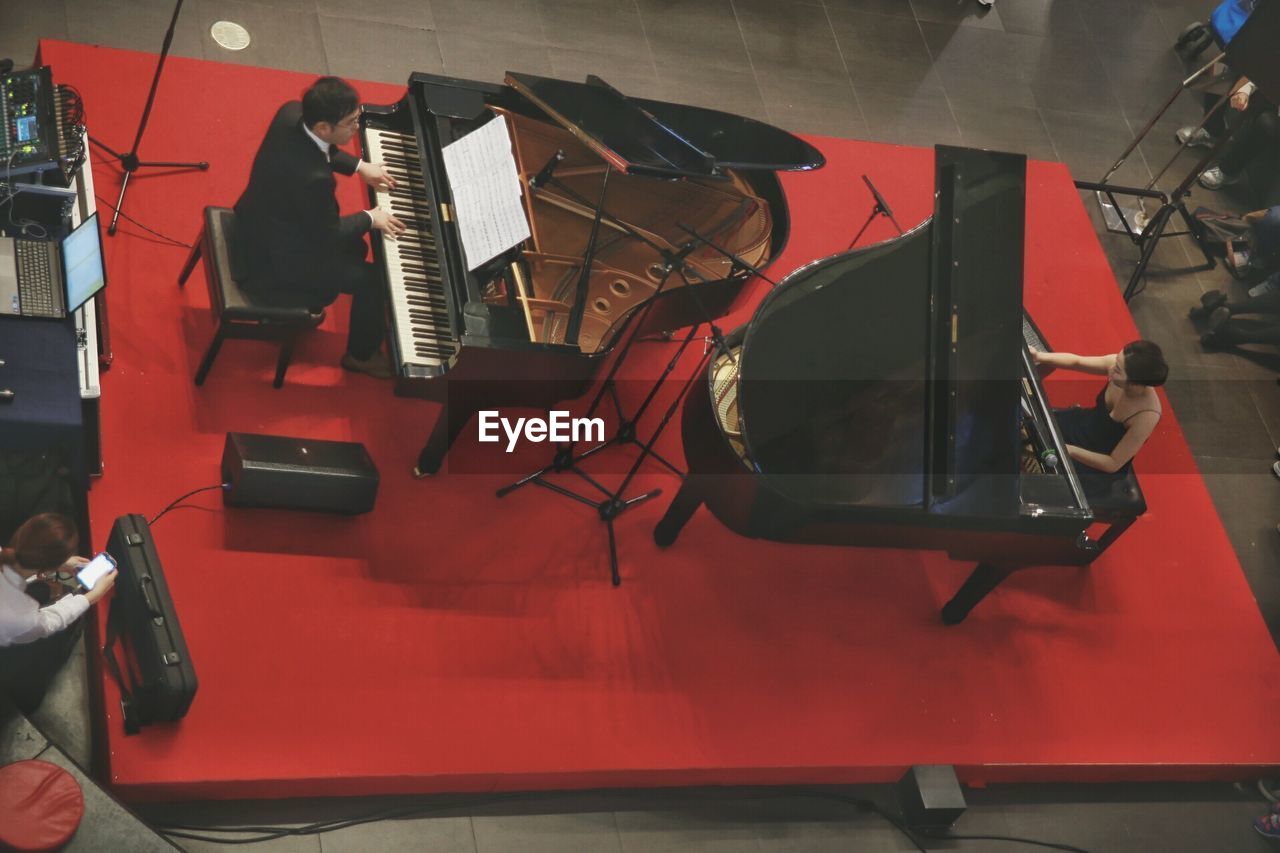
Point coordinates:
pixel 588 259
pixel 1151 237
pixel 755 270
pixel 1123 190
pixel 1152 123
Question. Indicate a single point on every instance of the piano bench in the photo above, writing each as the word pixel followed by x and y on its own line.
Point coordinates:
pixel 1120 505
pixel 1117 503
pixel 235 311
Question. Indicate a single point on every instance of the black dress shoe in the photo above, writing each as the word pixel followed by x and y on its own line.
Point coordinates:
pixel 1209 302
pixel 1214 338
pixel 377 365
pixel 1218 320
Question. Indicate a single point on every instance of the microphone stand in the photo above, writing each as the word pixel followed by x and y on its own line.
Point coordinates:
pixel 717 338
pixel 881 207
pixel 612 503
pixel 129 160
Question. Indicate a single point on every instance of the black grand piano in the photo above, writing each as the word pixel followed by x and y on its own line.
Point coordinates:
pixel 886 397
pixel 528 328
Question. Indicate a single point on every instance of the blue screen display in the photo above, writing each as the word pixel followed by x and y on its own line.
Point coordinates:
pixel 27 130
pixel 82 263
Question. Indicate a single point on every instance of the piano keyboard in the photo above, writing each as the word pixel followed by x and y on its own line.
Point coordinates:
pixel 419 307
pixel 1031 334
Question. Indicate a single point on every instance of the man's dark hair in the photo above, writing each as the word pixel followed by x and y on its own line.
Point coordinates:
pixel 1144 363
pixel 328 99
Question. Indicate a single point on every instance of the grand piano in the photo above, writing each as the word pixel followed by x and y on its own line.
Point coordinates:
pixel 886 397
pixel 529 328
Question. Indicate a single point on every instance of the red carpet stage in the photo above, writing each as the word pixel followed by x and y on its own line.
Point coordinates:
pixel 450 641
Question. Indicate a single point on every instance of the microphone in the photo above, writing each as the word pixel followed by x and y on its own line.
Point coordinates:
pixel 544 174
pixel 881 203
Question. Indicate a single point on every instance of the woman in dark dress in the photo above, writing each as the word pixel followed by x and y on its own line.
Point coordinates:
pixel 1103 440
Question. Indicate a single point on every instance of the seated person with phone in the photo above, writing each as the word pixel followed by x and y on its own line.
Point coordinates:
pixel 37 637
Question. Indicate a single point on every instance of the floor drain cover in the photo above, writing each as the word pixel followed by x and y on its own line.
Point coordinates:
pixel 229 35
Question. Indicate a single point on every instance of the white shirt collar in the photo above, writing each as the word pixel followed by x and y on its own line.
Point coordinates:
pixel 324 146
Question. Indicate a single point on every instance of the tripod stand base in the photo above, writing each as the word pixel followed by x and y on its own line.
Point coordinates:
pixel 130 163
pixel 609 509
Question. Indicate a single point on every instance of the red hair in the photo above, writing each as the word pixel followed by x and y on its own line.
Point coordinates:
pixel 45 542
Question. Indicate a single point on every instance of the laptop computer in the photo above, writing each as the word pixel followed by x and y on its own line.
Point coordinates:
pixel 43 278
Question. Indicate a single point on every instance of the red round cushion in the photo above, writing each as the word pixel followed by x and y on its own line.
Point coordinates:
pixel 40 805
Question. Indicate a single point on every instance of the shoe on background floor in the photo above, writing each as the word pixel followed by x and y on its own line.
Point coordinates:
pixel 1210 301
pixel 1213 339
pixel 987 3
pixel 376 365
pixel 1218 319
pixel 1215 179
pixel 1275 469
pixel 1195 137
pixel 1270 285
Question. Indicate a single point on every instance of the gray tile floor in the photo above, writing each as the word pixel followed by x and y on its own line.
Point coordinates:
pixel 1068 80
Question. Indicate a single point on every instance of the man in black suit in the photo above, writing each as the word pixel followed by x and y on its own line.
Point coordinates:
pixel 297 250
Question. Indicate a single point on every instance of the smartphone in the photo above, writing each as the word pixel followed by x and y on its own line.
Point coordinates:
pixel 100 566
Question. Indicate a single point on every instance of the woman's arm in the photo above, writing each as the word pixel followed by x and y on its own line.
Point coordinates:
pixel 1098 364
pixel 1136 434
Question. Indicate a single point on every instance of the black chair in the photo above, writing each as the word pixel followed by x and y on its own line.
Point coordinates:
pixel 236 312
pixel 1119 506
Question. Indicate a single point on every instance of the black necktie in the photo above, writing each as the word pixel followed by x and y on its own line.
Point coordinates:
pixel 333 152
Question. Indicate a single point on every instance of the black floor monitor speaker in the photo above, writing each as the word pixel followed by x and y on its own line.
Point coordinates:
pixel 298 473
pixel 930 796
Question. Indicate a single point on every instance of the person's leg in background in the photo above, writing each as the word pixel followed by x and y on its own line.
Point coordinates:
pixel 1213 300
pixel 1226 331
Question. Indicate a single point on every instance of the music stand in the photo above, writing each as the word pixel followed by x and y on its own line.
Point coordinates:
pixel 129 160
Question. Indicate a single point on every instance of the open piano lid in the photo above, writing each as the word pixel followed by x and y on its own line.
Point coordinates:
pixel 889 376
pixel 660 139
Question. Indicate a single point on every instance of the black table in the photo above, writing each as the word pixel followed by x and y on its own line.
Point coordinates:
pixel 46 415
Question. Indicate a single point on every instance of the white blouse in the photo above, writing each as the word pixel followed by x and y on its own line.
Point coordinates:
pixel 23 620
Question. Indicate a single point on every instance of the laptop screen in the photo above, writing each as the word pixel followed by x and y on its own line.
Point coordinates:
pixel 82 263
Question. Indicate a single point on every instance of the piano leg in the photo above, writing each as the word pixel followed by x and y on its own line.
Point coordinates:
pixel 448 426
pixel 683 506
pixel 985 578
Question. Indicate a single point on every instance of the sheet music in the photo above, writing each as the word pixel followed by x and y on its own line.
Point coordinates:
pixel 486 192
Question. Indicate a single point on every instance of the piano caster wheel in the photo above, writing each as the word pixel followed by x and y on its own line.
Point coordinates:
pixel 953 615
pixel 419 474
